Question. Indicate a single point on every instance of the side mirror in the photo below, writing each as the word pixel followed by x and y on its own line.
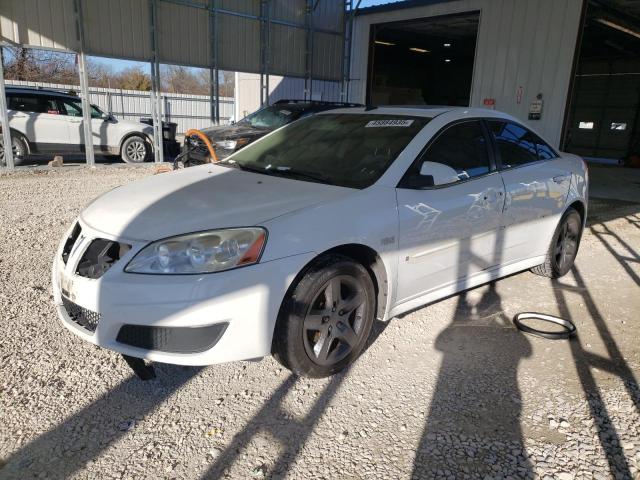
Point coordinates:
pixel 440 174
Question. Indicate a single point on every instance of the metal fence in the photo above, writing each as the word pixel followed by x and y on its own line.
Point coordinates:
pixel 188 111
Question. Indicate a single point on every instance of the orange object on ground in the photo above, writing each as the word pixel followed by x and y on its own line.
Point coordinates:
pixel 207 142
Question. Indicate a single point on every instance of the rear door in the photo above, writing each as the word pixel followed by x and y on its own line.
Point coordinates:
pixel 537 183
pixel 37 117
pixel 450 232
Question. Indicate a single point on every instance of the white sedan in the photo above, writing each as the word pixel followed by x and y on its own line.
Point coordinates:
pixel 296 243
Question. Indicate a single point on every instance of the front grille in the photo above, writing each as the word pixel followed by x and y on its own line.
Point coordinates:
pixel 100 256
pixel 71 240
pixel 84 317
pixel 172 339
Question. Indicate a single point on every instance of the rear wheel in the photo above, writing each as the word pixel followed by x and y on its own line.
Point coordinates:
pixel 325 322
pixel 564 246
pixel 19 146
pixel 135 149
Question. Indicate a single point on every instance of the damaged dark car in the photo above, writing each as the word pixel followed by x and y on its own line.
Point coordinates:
pixel 218 142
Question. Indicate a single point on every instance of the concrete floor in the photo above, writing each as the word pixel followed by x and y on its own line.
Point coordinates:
pixel 452 390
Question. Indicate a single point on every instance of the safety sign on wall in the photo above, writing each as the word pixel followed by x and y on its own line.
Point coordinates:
pixel 535 109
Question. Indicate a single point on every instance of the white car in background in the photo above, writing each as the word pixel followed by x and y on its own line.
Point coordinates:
pixel 50 122
pixel 296 243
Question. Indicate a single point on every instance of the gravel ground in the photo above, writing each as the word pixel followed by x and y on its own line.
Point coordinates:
pixel 448 391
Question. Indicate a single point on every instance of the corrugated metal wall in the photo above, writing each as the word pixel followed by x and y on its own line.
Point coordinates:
pixel 188 111
pixel 521 43
pixel 117 28
pixel 43 23
pixel 121 29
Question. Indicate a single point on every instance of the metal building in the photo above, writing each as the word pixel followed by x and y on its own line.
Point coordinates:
pixel 569 68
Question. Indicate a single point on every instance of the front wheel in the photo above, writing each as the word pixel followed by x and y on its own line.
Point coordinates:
pixel 564 246
pixel 325 321
pixel 135 149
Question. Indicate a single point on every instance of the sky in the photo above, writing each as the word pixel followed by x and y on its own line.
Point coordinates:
pixel 118 65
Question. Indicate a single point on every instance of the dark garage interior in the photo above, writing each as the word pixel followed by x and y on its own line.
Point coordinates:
pixel 424 61
pixel 604 116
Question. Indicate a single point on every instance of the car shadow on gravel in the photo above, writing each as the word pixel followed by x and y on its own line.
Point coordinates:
pixel 82 437
pixel 614 364
pixel 473 424
pixel 473 428
pixel 274 419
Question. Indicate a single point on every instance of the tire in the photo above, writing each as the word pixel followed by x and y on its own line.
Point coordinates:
pixel 20 150
pixel 135 149
pixel 323 343
pixel 564 246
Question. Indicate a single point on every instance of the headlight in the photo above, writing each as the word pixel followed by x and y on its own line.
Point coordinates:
pixel 203 252
pixel 232 144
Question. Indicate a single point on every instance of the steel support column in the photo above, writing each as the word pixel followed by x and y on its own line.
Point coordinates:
pixel 347 35
pixel 4 118
pixel 156 105
pixel 84 87
pixel 265 50
pixel 308 78
pixel 214 72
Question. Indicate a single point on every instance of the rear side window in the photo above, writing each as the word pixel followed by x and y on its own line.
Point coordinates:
pixel 517 145
pixel 32 104
pixel 462 147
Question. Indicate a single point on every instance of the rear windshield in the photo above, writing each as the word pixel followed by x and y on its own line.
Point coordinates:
pixel 348 150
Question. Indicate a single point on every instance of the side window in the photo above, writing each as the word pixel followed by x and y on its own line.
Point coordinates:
pixel 463 148
pixel 26 103
pixel 517 145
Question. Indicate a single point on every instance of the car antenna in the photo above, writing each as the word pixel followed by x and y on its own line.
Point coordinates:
pixel 369 107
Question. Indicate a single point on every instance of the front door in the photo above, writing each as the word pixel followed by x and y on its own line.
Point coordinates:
pixel 75 121
pixel 450 232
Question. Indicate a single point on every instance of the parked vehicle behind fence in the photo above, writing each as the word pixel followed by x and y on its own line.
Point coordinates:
pixel 51 122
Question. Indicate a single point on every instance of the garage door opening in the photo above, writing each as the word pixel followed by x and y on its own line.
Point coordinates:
pixel 424 61
pixel 603 122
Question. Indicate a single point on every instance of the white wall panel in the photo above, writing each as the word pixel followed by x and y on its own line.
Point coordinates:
pixel 39 23
pixel 521 43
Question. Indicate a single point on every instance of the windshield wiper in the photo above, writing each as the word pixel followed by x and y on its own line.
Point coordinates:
pixel 282 173
pixel 314 177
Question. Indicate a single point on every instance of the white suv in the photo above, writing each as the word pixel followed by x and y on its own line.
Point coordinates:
pixel 47 121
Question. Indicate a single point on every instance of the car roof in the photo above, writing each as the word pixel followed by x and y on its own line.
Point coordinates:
pixel 39 91
pixel 312 105
pixel 429 111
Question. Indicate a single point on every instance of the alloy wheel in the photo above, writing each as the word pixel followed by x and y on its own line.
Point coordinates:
pixel 567 244
pixel 15 147
pixel 334 323
pixel 136 151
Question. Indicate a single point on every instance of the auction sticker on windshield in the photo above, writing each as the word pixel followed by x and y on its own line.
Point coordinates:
pixel 389 123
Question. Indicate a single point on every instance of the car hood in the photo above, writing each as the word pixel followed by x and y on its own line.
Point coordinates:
pixel 232 132
pixel 201 198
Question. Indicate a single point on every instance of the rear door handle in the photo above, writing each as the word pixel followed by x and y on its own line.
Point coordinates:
pixel 561 178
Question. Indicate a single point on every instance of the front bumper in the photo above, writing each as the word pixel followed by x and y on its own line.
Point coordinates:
pixel 246 299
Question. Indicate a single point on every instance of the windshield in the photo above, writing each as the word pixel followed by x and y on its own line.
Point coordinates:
pixel 270 117
pixel 348 150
